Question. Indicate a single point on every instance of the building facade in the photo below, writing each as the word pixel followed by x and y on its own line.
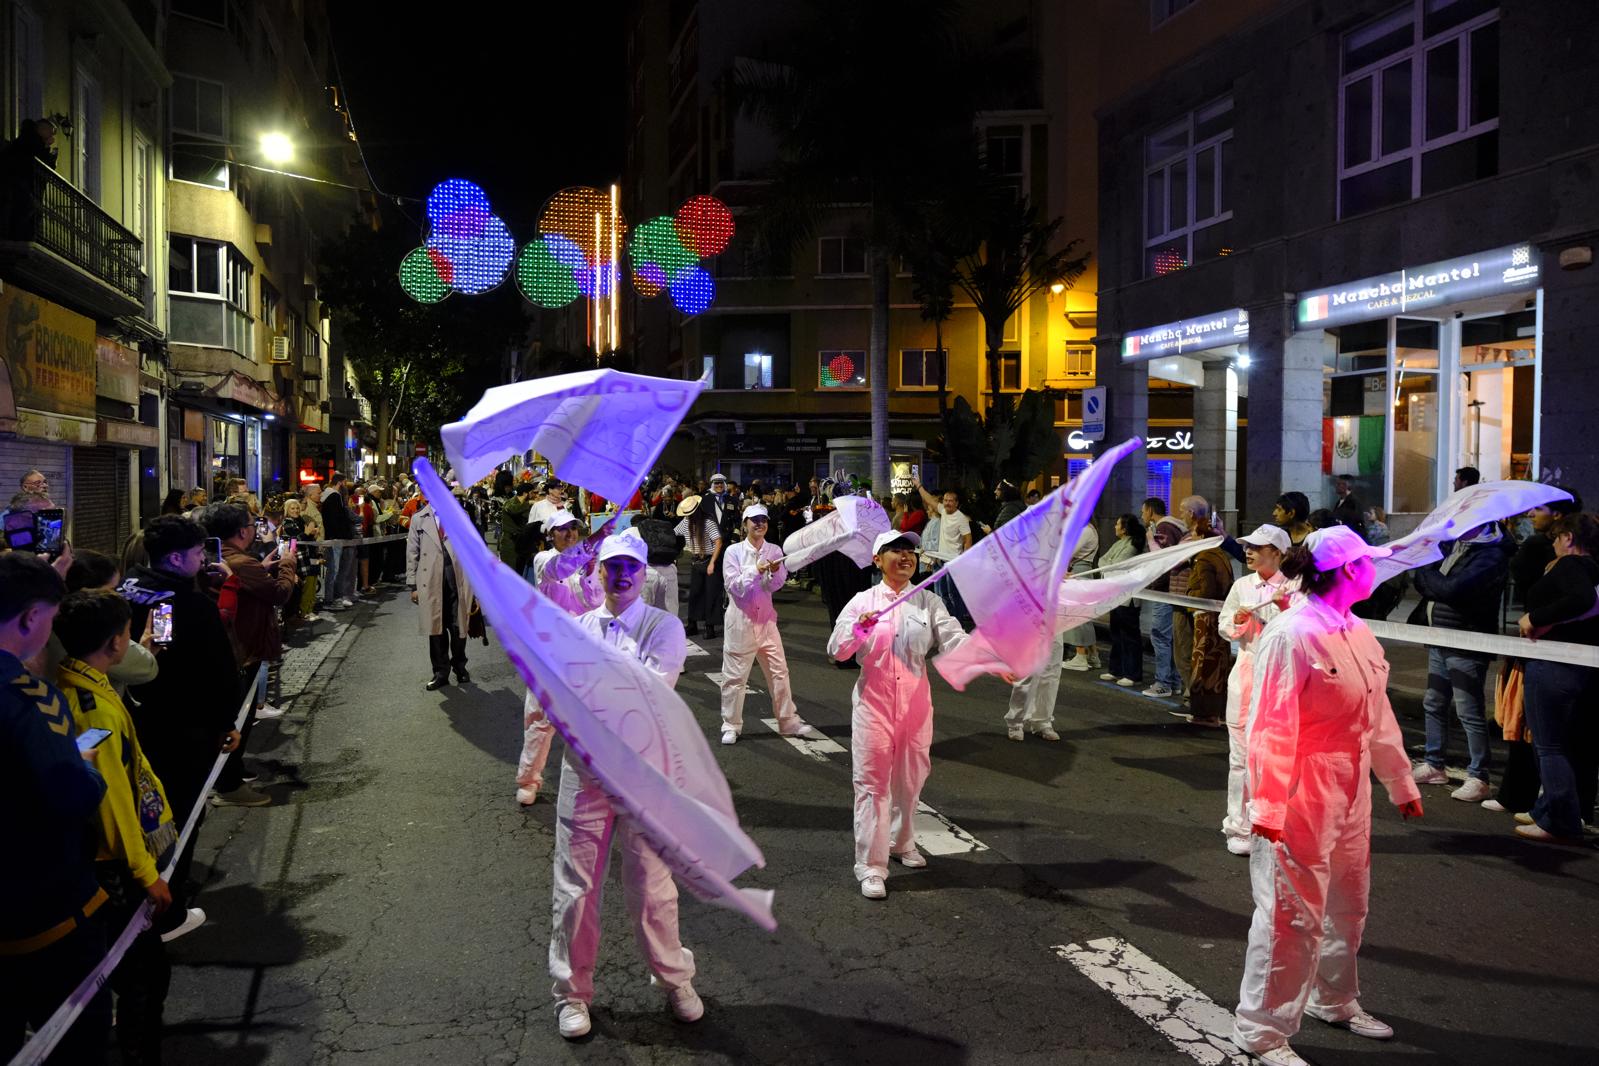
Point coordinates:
pixel 1375 221
pixel 82 261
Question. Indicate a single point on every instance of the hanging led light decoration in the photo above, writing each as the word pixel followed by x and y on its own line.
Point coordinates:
pixel 576 254
pixel 468 249
pixel 666 251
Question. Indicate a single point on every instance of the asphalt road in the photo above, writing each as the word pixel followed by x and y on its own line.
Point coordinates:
pixel 393 905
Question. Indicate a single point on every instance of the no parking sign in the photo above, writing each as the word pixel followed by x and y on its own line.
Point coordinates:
pixel 1094 413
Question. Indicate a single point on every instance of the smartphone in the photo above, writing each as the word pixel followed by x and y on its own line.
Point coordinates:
pixel 161 629
pixel 294 544
pixel 19 530
pixel 90 739
pixel 213 551
pixel 47 526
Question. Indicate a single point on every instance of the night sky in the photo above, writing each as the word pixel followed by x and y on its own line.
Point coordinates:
pixel 523 99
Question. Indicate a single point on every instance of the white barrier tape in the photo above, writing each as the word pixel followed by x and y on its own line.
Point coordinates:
pixel 1554 651
pixel 48 1035
pixel 387 538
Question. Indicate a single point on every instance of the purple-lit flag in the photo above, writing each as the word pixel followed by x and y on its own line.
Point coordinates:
pixel 850 529
pixel 1458 515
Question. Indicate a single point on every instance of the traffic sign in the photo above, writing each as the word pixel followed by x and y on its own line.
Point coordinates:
pixel 1094 413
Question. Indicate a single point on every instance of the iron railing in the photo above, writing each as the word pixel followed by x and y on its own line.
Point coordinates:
pixel 68 223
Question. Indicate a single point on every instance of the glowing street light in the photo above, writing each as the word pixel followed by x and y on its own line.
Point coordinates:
pixel 277 148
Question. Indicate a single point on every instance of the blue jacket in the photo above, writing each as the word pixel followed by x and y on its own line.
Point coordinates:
pixel 49 795
pixel 1468 596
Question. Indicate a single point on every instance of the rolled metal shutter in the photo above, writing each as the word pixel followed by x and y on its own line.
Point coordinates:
pixel 100 500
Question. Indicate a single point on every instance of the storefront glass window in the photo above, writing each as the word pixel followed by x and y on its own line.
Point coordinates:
pixel 1498 369
pixel 1356 403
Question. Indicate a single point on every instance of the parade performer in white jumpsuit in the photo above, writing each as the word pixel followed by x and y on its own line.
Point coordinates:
pixel 891 727
pixel 566 574
pixel 585 822
pixel 752 570
pixel 1256 599
pixel 1321 726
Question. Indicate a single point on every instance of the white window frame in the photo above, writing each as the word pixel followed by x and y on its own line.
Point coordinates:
pixel 88 116
pixel 1416 52
pixel 763 371
pixel 822 357
pixel 185 136
pixel 1189 158
pixel 842 240
pixel 922 354
pixel 234 276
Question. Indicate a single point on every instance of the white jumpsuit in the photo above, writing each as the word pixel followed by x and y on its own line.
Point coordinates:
pixel 584 824
pixel 1321 726
pixel 891 728
pixel 751 633
pixel 1254 594
pixel 576 589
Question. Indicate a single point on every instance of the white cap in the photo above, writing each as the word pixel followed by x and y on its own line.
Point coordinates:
pixel 629 542
pixel 756 510
pixel 1334 546
pixel 1275 536
pixel 885 539
pixel 560 518
pixel 718 477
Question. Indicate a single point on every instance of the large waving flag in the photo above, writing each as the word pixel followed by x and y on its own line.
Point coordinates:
pixel 1085 598
pixel 601 429
pixel 1458 515
pixel 1011 579
pixel 851 529
pixel 631 731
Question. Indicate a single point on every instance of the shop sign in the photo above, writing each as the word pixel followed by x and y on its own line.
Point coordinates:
pixel 1188 335
pixel 128 434
pixel 1413 289
pixel 62 429
pixel 193 425
pixel 116 371
pixel 745 445
pixel 1177 440
pixel 50 351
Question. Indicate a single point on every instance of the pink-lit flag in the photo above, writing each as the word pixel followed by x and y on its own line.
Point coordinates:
pixel 1011 579
pixel 1458 515
pixel 1084 598
pixel 850 529
pixel 601 429
pixel 626 725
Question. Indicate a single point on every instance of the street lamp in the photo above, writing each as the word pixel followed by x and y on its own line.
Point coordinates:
pixel 277 148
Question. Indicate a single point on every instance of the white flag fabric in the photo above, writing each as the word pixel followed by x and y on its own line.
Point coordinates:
pixel 1458 515
pixel 1011 579
pixel 628 728
pixel 601 429
pixel 851 528
pixel 1085 598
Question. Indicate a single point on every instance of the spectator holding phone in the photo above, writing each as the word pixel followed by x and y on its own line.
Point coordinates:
pixel 51 932
pixel 95 570
pixel 136 833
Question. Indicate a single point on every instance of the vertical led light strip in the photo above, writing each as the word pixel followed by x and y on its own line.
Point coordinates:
pixel 615 266
pixel 599 293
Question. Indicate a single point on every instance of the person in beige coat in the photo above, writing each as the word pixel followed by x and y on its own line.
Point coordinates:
pixel 439 587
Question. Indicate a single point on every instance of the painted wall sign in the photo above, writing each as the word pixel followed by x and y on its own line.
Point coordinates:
pixel 1501 270
pixel 117 374
pixel 50 351
pixel 1188 335
pixel 1156 442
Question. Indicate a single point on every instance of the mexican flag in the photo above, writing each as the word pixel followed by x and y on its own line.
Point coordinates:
pixel 1352 446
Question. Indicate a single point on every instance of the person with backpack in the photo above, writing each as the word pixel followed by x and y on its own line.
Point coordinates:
pixel 663 546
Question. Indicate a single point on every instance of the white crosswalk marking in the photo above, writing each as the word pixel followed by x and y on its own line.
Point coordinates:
pixel 818 749
pixel 1196 1024
pixel 750 686
pixel 694 649
pixel 937 835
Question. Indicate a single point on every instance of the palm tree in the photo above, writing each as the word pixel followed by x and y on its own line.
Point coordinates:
pixel 871 104
pixel 1016 258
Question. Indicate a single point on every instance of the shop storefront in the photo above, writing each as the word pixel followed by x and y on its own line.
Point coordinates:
pixel 232 429
pixel 1426 370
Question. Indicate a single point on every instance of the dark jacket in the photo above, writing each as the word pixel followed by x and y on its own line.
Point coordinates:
pixel 664 546
pixel 185 712
pixel 50 796
pixel 1563 596
pixel 1008 510
pixel 257 593
pixel 1529 563
pixel 336 521
pixel 1468 596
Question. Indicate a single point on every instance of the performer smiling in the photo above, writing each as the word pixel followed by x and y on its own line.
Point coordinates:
pixel 891 727
pixel 752 570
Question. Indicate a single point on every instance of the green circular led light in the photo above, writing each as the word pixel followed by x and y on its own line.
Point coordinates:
pixel 419 277
pixel 542 278
pixel 656 241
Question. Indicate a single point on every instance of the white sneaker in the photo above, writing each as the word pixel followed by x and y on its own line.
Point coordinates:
pixel 266 712
pixel 1241 845
pixel 685 1002
pixel 346 603
pixel 911 860
pixel 872 887
pixel 1126 682
pixel 1046 733
pixel 1475 790
pixel 1158 691
pixel 574 1019
pixel 1363 1024
pixel 1013 732
pixel 192 921
pixel 1282 1055
pixel 1107 677
pixel 311 618
pixel 729 736
pixel 1493 805
pixel 1426 774
pixel 798 727
pixel 1076 662
pixel 527 796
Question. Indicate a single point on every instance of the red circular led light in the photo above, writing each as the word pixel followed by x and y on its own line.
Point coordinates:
pixel 704 225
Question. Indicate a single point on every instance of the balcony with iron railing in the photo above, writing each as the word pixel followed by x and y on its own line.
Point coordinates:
pixel 57 240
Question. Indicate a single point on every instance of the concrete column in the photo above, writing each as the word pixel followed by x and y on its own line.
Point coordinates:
pixel 1568 449
pixel 1127 397
pixel 1216 441
pixel 1285 409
